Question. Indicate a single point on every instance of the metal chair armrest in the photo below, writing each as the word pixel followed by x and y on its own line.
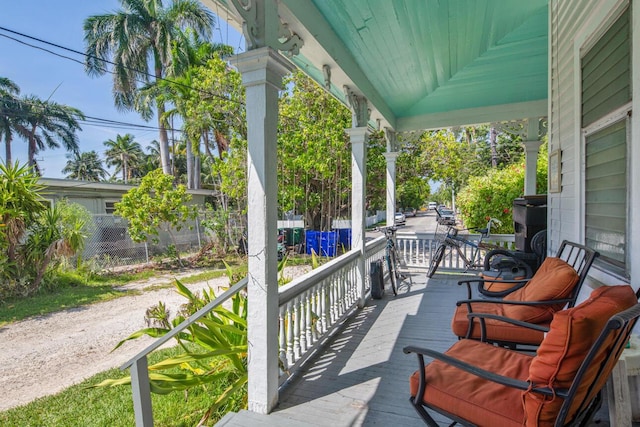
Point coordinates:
pixel 483 326
pixel 472 369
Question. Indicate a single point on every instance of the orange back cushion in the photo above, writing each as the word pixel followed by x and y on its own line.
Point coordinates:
pixel 555 279
pixel 571 335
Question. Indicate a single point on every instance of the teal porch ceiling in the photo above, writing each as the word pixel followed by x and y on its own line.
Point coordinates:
pixel 428 63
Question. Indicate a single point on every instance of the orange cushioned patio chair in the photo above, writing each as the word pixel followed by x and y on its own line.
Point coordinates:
pixel 558 386
pixel 555 285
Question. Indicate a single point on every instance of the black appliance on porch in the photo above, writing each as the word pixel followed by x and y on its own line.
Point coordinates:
pixel 530 224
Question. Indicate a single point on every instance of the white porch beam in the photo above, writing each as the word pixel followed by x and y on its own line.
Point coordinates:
pixel 262 72
pixel 471 116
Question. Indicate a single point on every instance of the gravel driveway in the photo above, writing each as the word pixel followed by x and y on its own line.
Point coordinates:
pixel 46 354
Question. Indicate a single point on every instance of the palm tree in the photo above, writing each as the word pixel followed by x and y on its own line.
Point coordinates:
pixel 46 123
pixel 196 53
pixel 130 37
pixel 85 167
pixel 124 153
pixel 11 114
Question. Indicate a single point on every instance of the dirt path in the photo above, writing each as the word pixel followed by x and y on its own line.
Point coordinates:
pixel 46 354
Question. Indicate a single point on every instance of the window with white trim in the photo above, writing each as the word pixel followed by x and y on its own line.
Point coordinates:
pixel 606 107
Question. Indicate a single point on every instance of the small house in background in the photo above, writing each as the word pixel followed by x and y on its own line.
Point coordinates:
pixel 108 243
pixel 99 197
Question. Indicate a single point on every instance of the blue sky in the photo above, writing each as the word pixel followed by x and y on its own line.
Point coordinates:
pixel 46 75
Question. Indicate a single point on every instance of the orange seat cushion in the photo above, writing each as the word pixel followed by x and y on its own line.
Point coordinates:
pixel 482 402
pixel 555 279
pixel 571 335
pixel 496 330
pixel 495 283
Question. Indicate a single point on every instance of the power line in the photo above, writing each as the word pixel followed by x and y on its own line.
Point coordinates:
pixel 93 121
pixel 145 73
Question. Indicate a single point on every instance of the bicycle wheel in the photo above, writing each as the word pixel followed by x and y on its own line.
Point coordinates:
pixel 435 261
pixel 393 270
pixel 494 257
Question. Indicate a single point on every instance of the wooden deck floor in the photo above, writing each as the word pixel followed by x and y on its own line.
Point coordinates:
pixel 361 379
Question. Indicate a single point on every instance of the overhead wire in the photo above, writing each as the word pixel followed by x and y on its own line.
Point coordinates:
pixel 83 54
pixel 77 52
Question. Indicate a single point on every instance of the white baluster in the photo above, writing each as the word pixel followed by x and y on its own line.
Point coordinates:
pixel 290 353
pixel 308 308
pixel 323 311
pixel 302 316
pixel 282 339
pixel 296 327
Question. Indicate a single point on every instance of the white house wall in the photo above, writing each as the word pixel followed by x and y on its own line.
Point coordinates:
pixel 580 22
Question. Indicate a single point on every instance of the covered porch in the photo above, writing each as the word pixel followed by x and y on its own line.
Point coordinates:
pixel 360 377
pixel 400 66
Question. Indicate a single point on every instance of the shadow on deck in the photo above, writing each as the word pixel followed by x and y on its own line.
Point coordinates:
pixel 362 376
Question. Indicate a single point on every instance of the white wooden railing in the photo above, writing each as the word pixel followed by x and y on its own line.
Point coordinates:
pixel 313 305
pixel 416 249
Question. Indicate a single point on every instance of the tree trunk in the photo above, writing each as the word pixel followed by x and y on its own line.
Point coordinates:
pixel 164 139
pixel 124 168
pixel 32 148
pixel 190 165
pixel 7 158
pixel 493 134
pixel 197 172
pixel 164 142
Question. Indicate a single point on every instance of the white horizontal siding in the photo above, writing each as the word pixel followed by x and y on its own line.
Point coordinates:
pixel 579 21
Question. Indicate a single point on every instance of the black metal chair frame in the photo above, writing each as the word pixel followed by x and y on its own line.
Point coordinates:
pixel 578 256
pixel 619 325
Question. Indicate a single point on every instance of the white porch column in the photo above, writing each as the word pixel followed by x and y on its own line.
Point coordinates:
pixel 358 136
pixel 262 72
pixel 531 149
pixel 391 155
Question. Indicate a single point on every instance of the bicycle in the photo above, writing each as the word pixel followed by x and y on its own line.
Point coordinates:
pixel 454 241
pixel 392 259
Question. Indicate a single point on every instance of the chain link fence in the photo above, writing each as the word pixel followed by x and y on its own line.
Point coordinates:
pixel 109 244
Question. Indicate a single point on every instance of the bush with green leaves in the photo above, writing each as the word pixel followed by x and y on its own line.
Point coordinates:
pixel 492 195
pixel 156 205
pixel 33 237
pixel 220 333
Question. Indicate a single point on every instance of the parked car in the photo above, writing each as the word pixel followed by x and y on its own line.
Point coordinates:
pixel 445 216
pixel 409 212
pixel 400 219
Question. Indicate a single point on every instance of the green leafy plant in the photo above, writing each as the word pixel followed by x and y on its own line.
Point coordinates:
pixel 492 195
pixel 156 205
pixel 220 333
pixel 34 237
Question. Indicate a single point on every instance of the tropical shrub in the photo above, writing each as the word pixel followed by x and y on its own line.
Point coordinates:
pixel 492 195
pixel 156 205
pixel 33 237
pixel 222 333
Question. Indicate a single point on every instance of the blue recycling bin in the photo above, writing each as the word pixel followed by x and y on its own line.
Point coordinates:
pixel 344 238
pixel 328 243
pixel 312 242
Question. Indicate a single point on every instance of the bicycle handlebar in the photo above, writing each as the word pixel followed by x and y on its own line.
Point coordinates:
pixel 486 231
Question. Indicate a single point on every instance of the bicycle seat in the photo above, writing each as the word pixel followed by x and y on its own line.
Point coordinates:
pixel 483 231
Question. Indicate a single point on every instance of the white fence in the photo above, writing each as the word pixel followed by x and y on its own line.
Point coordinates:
pixel 417 249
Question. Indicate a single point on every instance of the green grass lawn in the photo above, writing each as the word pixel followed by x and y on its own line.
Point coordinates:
pixel 74 290
pixel 113 406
